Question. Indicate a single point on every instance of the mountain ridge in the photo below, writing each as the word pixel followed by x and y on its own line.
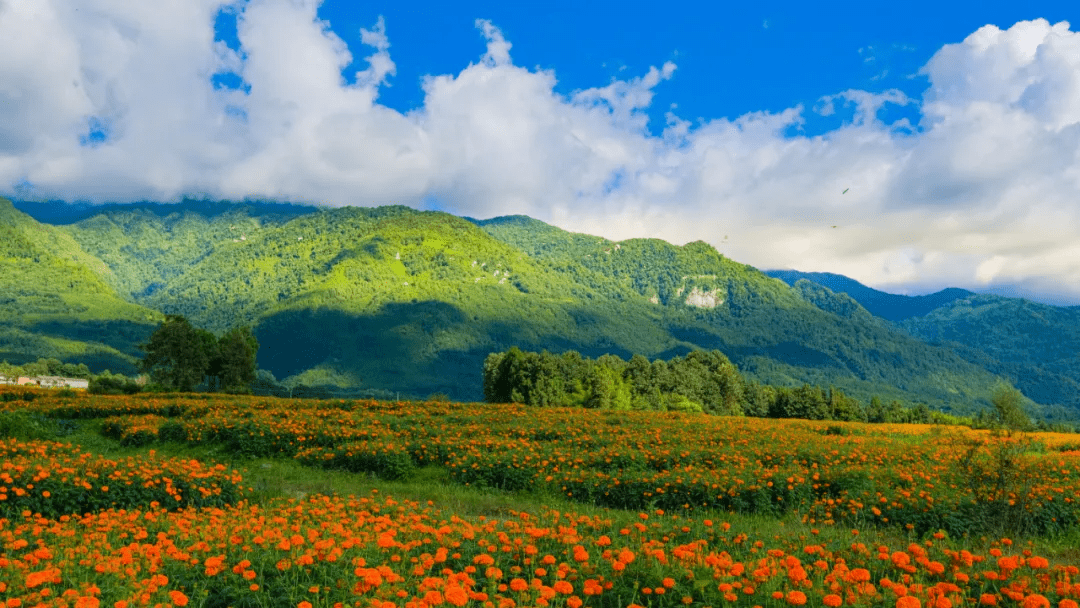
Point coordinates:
pixel 402 300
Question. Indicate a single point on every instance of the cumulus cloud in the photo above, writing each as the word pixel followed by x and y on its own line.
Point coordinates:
pixel 108 101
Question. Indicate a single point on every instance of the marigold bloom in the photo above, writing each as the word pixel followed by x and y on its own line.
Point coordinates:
pixel 178 598
pixel 988 599
pixel 908 601
pixel 832 600
pixel 1036 601
pixel 456 595
pixel 1037 563
pixel 795 598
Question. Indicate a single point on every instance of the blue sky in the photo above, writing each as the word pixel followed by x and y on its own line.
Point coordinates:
pixel 733 57
pixel 911 146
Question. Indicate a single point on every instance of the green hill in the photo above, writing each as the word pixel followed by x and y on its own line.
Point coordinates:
pixel 57 301
pixel 889 306
pixel 1034 346
pixel 401 300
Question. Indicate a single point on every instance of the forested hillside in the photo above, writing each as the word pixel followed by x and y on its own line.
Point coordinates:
pixel 1034 346
pixel 56 301
pixel 412 302
pixel 888 306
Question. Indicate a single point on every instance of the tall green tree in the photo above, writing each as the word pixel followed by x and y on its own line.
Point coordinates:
pixel 1009 412
pixel 234 360
pixel 177 354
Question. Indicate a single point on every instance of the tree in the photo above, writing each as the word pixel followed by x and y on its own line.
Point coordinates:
pixel 1008 413
pixel 234 360
pixel 176 354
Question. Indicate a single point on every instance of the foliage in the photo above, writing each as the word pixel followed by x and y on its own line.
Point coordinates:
pixel 1008 411
pixel 700 381
pixel 421 298
pixel 234 359
pixel 178 355
pixel 113 384
pixel 1035 347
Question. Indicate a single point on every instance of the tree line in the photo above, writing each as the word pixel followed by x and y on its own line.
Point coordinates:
pixel 700 381
pixel 180 357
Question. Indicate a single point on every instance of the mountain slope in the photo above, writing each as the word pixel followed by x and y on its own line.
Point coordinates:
pixel 889 306
pixel 1034 346
pixel 56 300
pixel 770 330
pixel 396 299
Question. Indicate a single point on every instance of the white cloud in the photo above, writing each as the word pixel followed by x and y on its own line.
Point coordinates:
pixel 105 100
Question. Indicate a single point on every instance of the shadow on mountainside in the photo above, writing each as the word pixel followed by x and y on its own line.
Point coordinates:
pixel 416 348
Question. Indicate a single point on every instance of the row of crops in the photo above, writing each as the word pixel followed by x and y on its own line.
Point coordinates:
pixel 914 476
pixel 80 530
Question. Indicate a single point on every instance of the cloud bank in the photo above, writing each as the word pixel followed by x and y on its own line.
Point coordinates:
pixel 106 100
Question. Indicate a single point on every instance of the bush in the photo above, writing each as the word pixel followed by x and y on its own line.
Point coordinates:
pixel 113 385
pixel 24 425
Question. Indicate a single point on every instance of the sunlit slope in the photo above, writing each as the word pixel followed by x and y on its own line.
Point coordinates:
pixel 57 301
pixel 779 334
pixel 399 299
pixel 408 301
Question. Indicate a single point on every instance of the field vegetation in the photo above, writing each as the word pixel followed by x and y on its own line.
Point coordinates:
pixel 226 500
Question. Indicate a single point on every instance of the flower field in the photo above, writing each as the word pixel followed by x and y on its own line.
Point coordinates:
pixel 913 476
pixel 176 532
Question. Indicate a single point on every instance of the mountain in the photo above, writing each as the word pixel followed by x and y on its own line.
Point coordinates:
pixel 889 306
pixel 1035 346
pixel 396 299
pixel 57 301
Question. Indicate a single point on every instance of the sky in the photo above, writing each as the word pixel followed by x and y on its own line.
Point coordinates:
pixel 911 146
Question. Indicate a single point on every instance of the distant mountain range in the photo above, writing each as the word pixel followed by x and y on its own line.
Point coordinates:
pixel 395 299
pixel 1035 346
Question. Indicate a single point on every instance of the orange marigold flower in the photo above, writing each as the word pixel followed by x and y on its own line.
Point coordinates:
pixel 832 600
pixel 1036 601
pixel 988 599
pixel 455 595
pixel 668 582
pixel 178 598
pixel 908 601
pixel 518 584
pixel 1038 563
pixel 563 587
pixel 795 598
pixel 1067 603
pixel 574 601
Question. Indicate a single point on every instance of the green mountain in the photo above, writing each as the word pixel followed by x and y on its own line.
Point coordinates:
pixel 402 300
pixel 1034 346
pixel 889 306
pixel 57 301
